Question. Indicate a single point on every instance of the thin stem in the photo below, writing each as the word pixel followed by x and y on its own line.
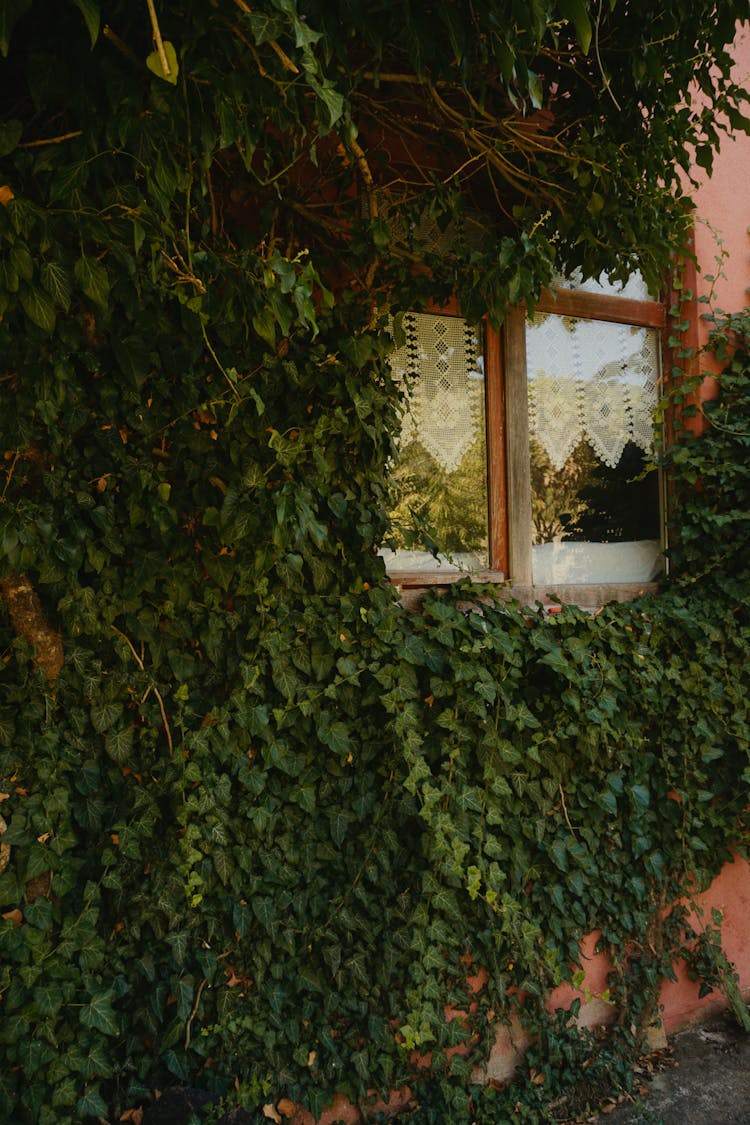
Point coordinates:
pixel 52 140
pixel 158 39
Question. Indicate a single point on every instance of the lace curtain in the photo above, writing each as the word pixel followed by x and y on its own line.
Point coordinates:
pixel 439 364
pixel 594 380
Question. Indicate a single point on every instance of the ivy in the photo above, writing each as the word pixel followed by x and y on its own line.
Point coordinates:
pixel 265 826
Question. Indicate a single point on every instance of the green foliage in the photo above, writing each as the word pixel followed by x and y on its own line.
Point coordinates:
pixel 708 963
pixel 266 825
pixel 714 467
pixel 451 502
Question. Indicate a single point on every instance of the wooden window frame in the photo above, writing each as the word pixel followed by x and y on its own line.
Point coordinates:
pixel 583 306
pixel 509 521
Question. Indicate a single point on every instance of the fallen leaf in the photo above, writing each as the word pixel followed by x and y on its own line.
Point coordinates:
pixel 14 916
pixel 286 1107
pixel 6 195
pixel 269 1110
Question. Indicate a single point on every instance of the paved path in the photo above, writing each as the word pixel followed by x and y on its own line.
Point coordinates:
pixel 709 1085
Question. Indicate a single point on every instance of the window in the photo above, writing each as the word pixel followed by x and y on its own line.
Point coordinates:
pixel 441 472
pixel 527 451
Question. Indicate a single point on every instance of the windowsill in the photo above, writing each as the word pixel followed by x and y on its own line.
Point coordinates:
pixel 589 597
pixel 428 578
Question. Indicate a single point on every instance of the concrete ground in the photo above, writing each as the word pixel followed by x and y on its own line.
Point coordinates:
pixel 703 1079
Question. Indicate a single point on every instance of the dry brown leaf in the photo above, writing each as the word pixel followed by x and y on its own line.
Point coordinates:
pixel 269 1110
pixel 6 195
pixel 134 1115
pixel 14 916
pixel 234 979
pixel 286 1107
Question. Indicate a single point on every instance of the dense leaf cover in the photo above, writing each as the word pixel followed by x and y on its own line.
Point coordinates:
pixel 265 826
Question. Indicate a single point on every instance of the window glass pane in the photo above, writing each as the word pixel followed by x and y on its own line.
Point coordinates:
pixel 634 288
pixel 440 475
pixel 592 388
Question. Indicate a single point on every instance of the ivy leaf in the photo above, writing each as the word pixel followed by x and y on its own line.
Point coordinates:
pixel 335 737
pixel 285 678
pixel 89 9
pixel 56 281
pixel 10 12
pixel 338 824
pixel 104 715
pixel 21 260
pixel 177 1064
pixel 97 1063
pixel 265 911
pixel 119 745
pixel 180 943
pixel 48 999
pixel 65 1092
pixel 222 865
pixel 265 27
pixel 641 798
pixel 39 308
pixel 154 63
pixel 576 12
pixel 93 279
pixel 10 135
pixel 559 854
pixel 536 90
pixel 331 99
pixel 92 1104
pixel 99 1014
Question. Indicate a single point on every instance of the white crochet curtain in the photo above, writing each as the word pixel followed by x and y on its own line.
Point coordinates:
pixel 594 380
pixel 439 363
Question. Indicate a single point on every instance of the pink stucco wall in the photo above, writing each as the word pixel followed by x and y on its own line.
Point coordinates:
pixel 723 211
pixel 721 231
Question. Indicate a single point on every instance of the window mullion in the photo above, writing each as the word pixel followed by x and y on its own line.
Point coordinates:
pixel 497 478
pixel 519 457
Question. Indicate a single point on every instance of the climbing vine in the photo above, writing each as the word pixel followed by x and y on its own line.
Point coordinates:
pixel 265 828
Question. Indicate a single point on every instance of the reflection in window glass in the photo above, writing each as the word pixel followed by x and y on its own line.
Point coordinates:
pixel 593 387
pixel 440 475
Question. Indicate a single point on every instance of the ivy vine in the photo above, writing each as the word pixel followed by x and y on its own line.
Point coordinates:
pixel 265 826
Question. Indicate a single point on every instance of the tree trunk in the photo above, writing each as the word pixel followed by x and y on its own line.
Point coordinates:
pixel 28 621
